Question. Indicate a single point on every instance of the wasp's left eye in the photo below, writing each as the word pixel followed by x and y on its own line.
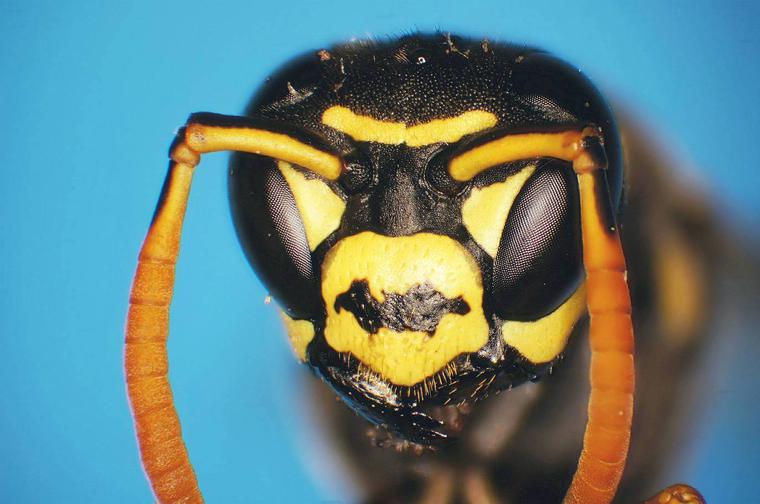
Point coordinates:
pixel 538 264
pixel 272 233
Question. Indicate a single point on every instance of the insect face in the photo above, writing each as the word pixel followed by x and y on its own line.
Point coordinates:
pixel 404 283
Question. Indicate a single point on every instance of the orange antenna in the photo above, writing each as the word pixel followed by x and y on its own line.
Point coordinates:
pixel 162 448
pixel 163 452
pixel 610 408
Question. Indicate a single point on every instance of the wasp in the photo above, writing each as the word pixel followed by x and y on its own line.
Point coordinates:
pixel 437 218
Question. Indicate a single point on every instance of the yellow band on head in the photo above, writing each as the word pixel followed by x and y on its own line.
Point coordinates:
pixel 300 334
pixel 542 340
pixel 486 209
pixel 320 208
pixel 368 129
pixel 364 128
pixel 451 129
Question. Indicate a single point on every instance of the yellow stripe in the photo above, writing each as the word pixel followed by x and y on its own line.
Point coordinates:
pixel 300 334
pixel 544 339
pixel 364 128
pixel 451 129
pixel 320 208
pixel 368 129
pixel 485 211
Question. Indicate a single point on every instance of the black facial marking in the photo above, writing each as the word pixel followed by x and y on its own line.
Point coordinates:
pixel 357 172
pixel 421 308
pixel 396 409
pixel 361 392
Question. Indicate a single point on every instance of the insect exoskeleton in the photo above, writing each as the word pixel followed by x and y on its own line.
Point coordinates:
pixel 432 272
pixel 433 215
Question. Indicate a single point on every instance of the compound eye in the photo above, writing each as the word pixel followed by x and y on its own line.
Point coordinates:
pixel 438 177
pixel 272 233
pixel 357 173
pixel 539 261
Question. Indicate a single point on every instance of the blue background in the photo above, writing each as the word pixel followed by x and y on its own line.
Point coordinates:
pixel 90 94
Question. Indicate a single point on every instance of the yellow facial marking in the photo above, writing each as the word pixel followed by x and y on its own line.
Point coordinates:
pixel 320 208
pixel 364 128
pixel 542 340
pixel 395 265
pixel 300 334
pixel 368 129
pixel 451 129
pixel 485 211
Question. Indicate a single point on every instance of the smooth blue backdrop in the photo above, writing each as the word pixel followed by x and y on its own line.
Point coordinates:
pixel 90 93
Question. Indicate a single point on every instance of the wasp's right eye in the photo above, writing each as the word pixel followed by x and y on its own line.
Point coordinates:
pixel 539 260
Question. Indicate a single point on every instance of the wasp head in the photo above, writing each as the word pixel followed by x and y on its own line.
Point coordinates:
pixel 406 288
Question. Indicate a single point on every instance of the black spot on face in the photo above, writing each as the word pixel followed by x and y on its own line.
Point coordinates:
pixel 421 308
